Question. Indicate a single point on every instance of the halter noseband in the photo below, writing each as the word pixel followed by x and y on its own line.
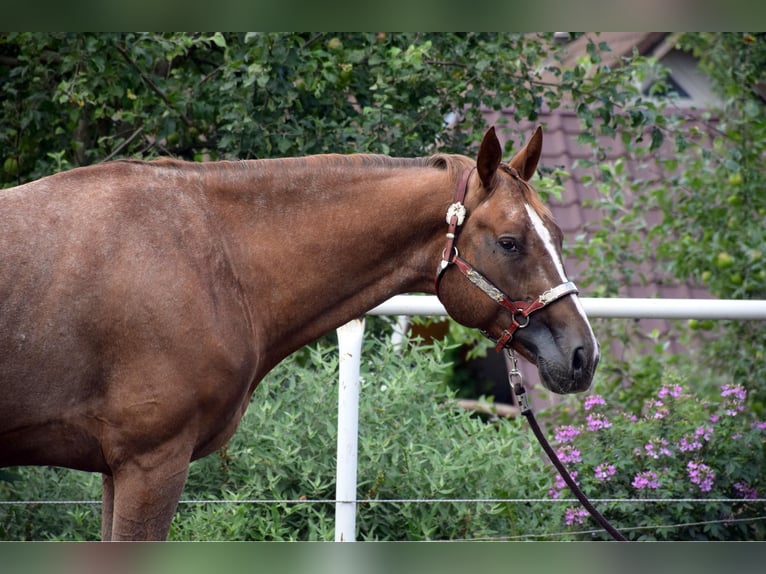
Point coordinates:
pixel 520 310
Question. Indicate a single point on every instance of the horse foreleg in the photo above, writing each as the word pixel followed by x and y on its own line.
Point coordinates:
pixel 145 499
pixel 107 506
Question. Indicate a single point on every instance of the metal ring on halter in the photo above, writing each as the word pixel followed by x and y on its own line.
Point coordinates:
pixel 454 250
pixel 445 262
pixel 518 324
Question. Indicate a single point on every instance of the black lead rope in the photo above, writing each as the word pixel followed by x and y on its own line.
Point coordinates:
pixel 517 385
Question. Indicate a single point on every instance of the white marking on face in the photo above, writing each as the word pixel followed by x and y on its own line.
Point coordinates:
pixel 545 236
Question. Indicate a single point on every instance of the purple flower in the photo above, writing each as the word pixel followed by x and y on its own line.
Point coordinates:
pixel 704 432
pixel 735 395
pixel 569 454
pixel 701 475
pixel 660 410
pixel 566 433
pixel 685 445
pixel 646 479
pixel 597 421
pixel 594 401
pixel 744 490
pixel 560 485
pixel 605 471
pixel 737 391
pixel 674 391
pixel 690 443
pixel 575 515
pixel 759 426
pixel 657 447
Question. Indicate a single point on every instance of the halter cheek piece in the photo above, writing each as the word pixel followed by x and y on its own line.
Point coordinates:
pixel 520 310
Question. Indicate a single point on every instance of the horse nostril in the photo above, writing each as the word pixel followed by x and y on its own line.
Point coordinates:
pixel 578 363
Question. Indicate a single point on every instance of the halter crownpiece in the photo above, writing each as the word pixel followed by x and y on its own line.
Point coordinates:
pixel 520 310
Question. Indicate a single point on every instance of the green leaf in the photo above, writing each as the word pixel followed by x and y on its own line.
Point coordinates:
pixel 657 139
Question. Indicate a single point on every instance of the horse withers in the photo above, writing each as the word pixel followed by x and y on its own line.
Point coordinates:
pixel 142 302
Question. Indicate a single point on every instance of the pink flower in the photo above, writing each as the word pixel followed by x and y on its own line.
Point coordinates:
pixel 738 392
pixel 660 410
pixel 704 432
pixel 701 475
pixel 560 485
pixel 657 447
pixel 605 471
pixel 685 445
pixel 566 433
pixel 646 479
pixel 597 421
pixel 569 454
pixel 575 515
pixel 735 395
pixel 594 401
pixel 689 444
pixel 744 490
pixel 674 391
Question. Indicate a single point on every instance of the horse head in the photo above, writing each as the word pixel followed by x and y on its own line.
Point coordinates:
pixel 502 269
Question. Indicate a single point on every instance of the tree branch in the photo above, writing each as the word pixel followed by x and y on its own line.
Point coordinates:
pixel 148 81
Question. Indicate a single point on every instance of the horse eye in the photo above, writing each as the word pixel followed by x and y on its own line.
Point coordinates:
pixel 509 244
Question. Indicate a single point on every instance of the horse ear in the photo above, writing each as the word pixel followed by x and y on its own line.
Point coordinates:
pixel 490 154
pixel 525 160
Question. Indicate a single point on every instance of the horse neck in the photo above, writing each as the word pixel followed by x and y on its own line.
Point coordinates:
pixel 319 241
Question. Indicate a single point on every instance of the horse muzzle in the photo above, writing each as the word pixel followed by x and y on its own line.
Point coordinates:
pixel 563 369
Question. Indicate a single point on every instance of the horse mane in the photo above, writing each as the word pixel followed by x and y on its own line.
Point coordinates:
pixel 454 164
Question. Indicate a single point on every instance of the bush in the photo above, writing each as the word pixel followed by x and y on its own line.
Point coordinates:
pixel 70 521
pixel 430 471
pixel 707 454
pixel 413 445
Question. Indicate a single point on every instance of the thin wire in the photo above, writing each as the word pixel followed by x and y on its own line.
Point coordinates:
pixel 628 529
pixel 468 500
pixel 411 501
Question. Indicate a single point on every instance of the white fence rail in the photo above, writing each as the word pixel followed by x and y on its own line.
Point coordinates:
pixel 350 343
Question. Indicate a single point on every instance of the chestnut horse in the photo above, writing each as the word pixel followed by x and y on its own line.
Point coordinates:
pixel 142 302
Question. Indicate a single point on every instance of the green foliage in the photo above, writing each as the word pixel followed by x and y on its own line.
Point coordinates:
pixel 76 99
pixel 691 211
pixel 412 445
pixel 62 521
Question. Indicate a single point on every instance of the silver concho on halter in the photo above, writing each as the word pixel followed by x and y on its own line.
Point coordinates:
pixel 457 209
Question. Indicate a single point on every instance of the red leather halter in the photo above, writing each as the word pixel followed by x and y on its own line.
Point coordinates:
pixel 520 310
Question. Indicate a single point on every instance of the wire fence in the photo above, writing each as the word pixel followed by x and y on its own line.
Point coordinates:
pixel 527 536
pixel 413 501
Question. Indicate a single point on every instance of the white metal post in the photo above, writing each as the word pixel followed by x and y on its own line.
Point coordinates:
pixel 350 338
